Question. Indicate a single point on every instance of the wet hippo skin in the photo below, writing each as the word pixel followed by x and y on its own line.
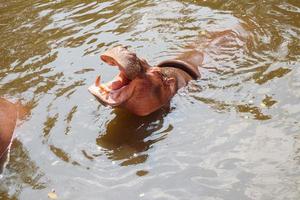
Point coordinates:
pixel 141 88
pixel 8 118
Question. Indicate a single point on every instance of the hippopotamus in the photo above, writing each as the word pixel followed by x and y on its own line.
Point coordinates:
pixel 141 88
pixel 8 119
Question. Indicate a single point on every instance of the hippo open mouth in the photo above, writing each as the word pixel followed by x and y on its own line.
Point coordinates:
pixel 117 91
pixel 114 92
pixel 119 82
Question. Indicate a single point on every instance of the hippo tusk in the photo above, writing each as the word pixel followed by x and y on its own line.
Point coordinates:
pixel 102 87
pixel 97 82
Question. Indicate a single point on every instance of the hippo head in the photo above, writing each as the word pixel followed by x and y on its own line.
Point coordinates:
pixel 138 87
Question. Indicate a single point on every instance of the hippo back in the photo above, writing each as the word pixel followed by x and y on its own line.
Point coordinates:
pixel 188 62
pixel 8 118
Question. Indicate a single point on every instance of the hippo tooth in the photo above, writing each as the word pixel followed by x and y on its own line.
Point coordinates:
pixel 97 82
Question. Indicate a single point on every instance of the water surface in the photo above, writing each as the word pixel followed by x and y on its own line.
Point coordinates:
pixel 233 134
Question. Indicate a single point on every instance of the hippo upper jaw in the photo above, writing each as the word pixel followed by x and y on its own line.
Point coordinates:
pixel 125 60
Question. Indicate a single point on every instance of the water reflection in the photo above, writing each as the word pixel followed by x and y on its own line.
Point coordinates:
pixel 20 172
pixel 128 137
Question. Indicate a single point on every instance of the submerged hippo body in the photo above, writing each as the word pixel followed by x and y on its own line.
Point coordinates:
pixel 8 118
pixel 143 89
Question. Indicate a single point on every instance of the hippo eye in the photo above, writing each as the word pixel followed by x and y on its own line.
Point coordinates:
pixel 159 75
pixel 163 76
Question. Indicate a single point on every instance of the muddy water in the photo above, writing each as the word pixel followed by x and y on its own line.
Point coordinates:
pixel 233 134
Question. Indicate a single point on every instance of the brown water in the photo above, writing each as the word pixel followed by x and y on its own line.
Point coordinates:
pixel 234 134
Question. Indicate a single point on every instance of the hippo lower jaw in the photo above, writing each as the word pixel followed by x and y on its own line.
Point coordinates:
pixel 113 93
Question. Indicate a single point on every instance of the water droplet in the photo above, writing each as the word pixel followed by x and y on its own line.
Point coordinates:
pixel 52 195
pixel 54 163
pixel 263 105
pixel 142 194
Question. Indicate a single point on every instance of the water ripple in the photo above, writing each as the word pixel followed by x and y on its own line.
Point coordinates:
pixel 233 134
